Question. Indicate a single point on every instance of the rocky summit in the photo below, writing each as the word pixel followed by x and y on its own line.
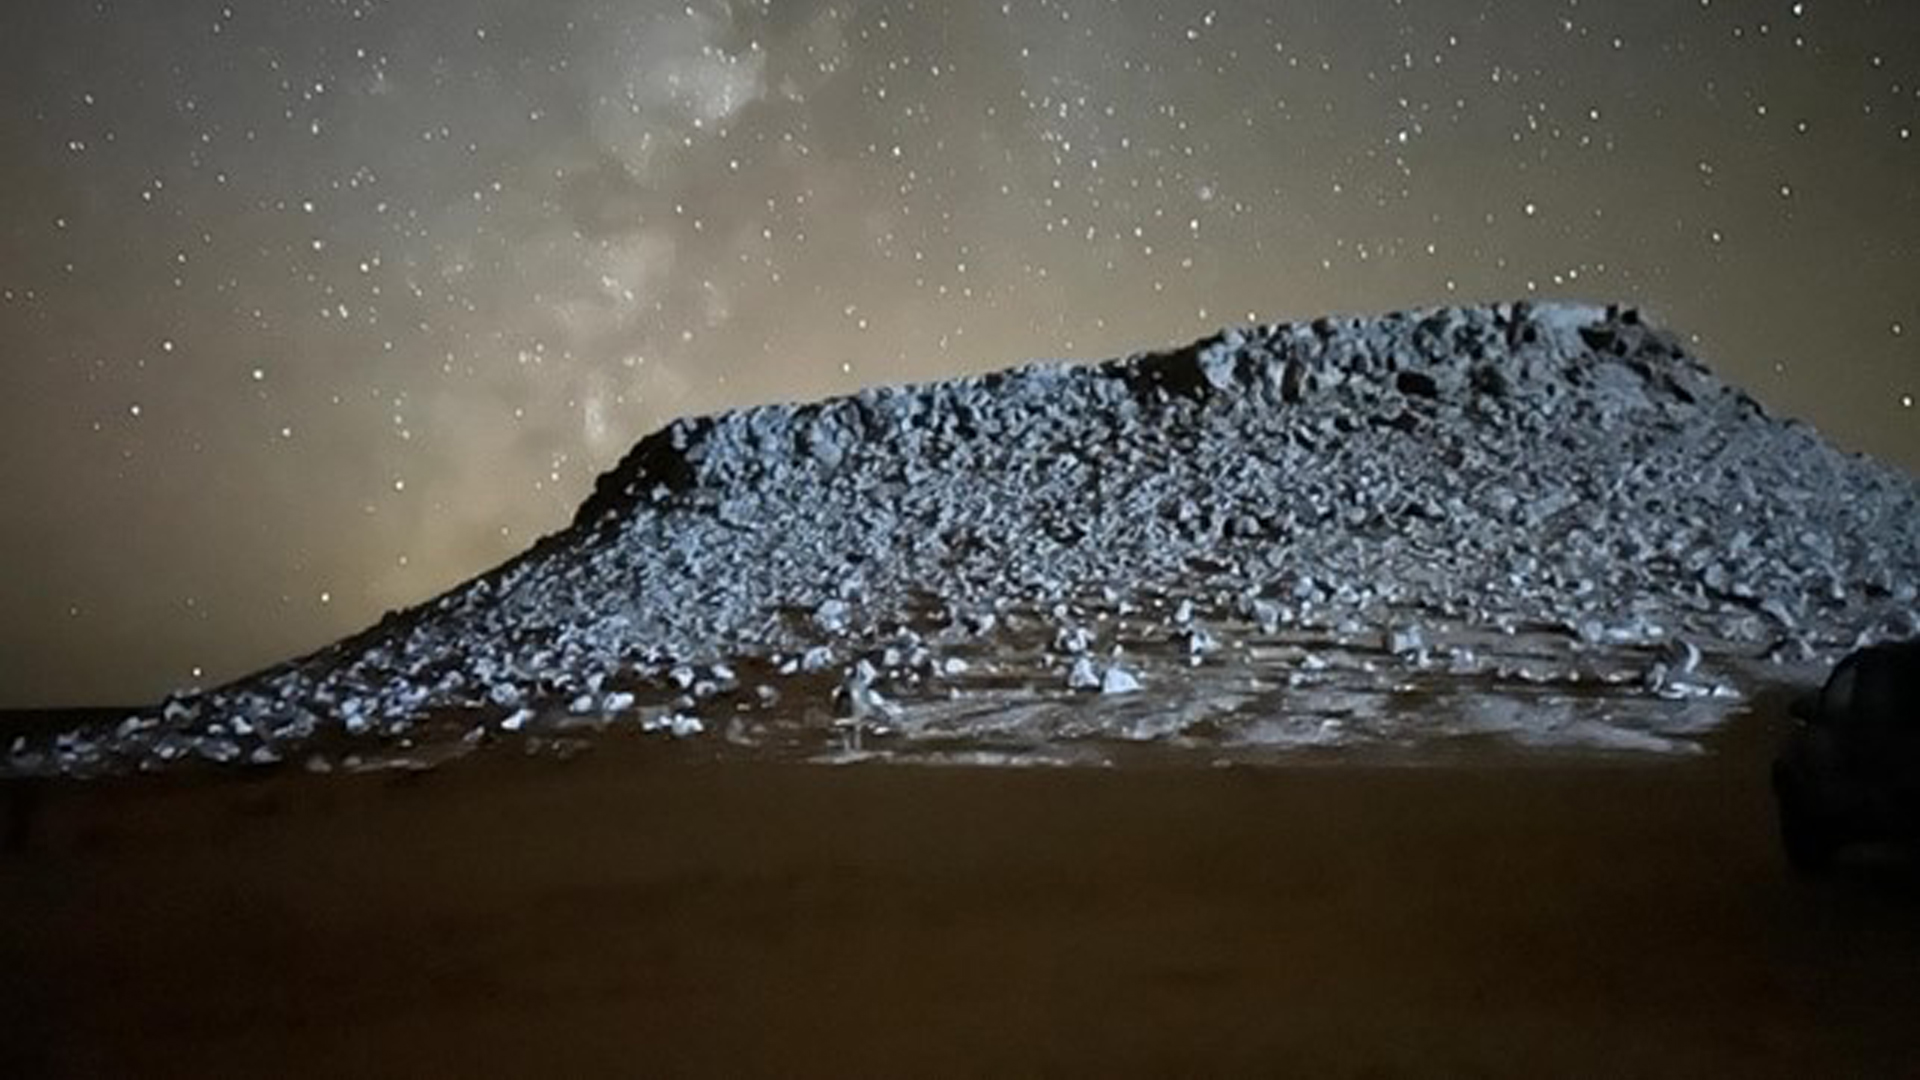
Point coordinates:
pixel 1549 524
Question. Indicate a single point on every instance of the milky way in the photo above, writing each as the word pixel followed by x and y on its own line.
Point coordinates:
pixel 311 310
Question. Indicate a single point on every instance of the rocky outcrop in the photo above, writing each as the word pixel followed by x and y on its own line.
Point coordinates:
pixel 1409 481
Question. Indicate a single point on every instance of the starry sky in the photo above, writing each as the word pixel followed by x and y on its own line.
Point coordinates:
pixel 313 309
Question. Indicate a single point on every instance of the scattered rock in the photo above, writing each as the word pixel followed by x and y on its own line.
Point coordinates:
pixel 1405 640
pixel 1200 642
pixel 1682 656
pixel 831 615
pixel 1073 641
pixel 1119 680
pixel 1268 614
pixel 679 725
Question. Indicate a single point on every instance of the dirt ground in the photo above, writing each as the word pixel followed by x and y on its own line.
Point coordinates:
pixel 633 913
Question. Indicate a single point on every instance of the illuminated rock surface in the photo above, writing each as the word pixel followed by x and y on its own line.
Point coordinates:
pixel 1547 524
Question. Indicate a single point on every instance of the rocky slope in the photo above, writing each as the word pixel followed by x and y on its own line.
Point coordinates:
pixel 1547 523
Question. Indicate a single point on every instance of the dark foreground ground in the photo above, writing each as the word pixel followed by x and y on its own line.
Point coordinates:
pixel 631 913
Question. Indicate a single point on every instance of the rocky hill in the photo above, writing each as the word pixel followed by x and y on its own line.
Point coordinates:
pixel 1547 523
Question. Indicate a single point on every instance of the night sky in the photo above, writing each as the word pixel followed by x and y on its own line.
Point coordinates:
pixel 311 310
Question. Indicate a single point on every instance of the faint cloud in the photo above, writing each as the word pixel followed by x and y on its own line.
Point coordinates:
pixel 660 79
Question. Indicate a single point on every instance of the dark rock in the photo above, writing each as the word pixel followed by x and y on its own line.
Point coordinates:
pixel 1490 380
pixel 1417 383
pixel 1293 384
